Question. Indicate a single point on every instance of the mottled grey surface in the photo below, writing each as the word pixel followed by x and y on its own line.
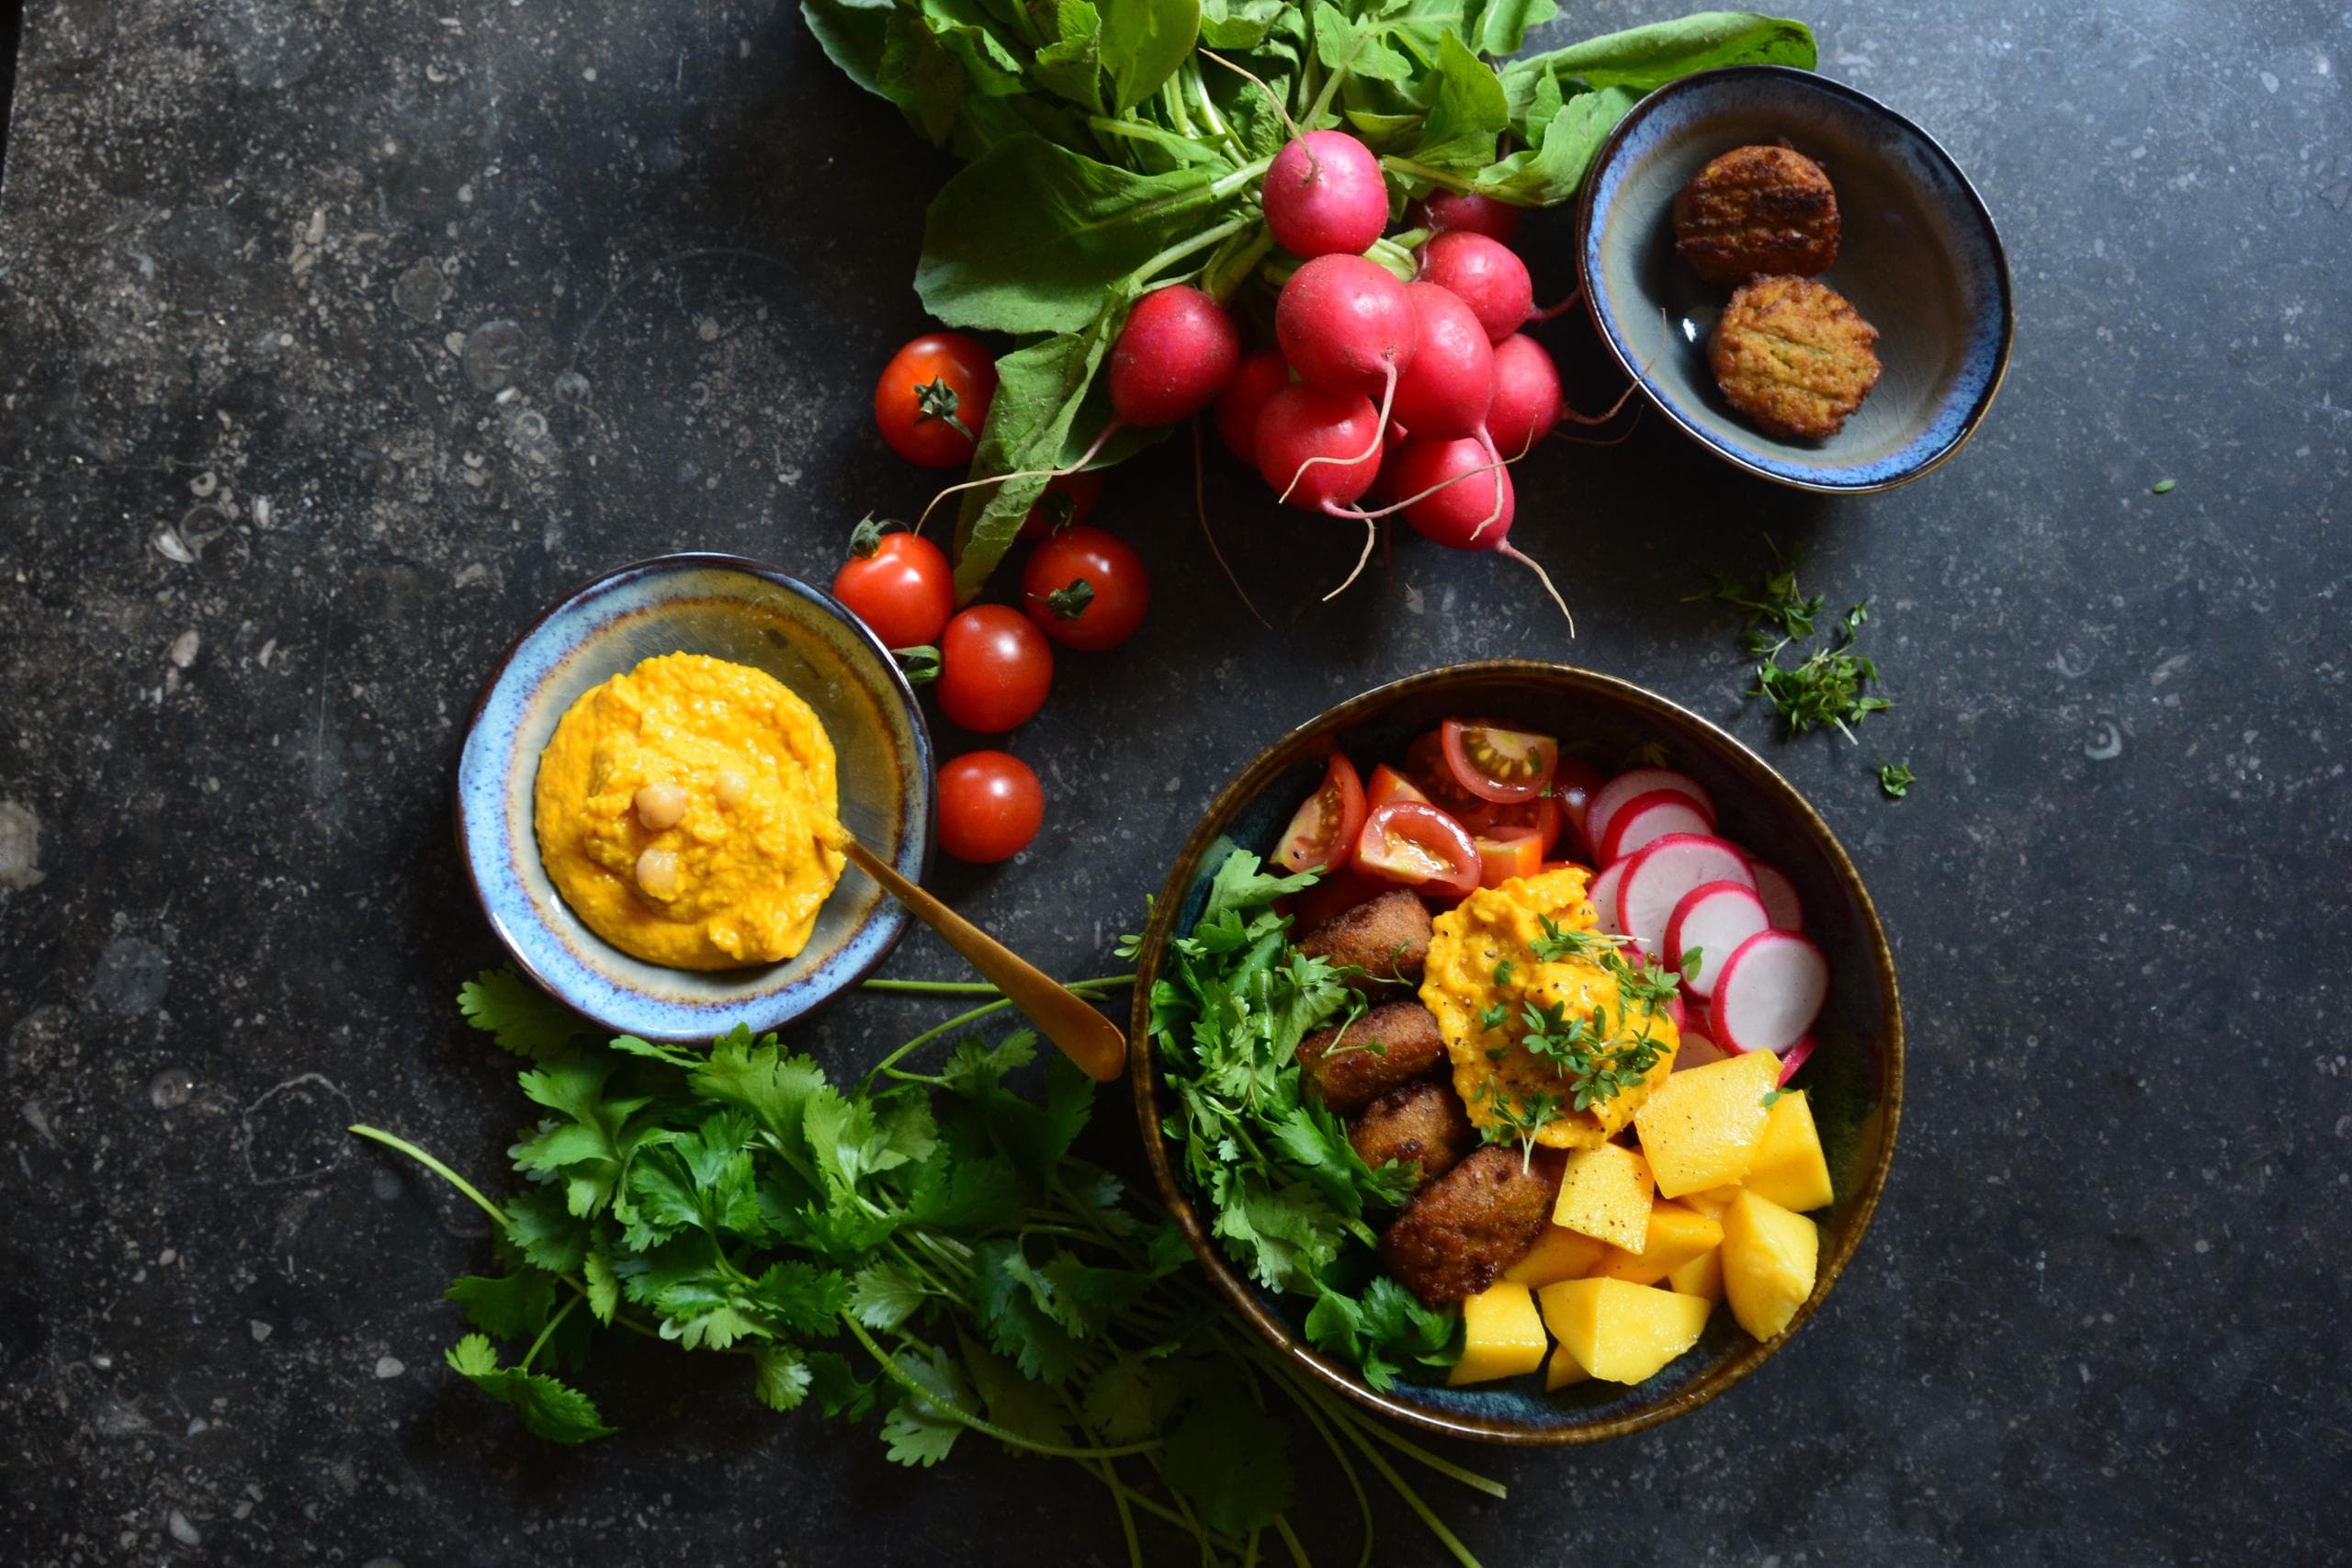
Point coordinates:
pixel 335 339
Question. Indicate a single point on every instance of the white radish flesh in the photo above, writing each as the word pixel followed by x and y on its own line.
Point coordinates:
pixel 1618 792
pixel 1715 918
pixel 1779 895
pixel 1656 879
pixel 1768 992
pixel 1603 896
pixel 1646 818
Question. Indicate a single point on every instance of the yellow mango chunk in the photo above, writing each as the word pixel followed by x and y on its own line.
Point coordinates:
pixel 1788 1167
pixel 1502 1335
pixel 1605 1192
pixel 1674 1236
pixel 1558 1254
pixel 1712 1202
pixel 1622 1333
pixel 1702 1276
pixel 1699 1128
pixel 1770 1255
pixel 1563 1370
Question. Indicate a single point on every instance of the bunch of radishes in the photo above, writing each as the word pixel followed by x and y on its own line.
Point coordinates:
pixel 1702 905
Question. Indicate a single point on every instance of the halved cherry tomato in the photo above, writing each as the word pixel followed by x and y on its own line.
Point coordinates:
pixel 1574 783
pixel 1497 764
pixel 1425 766
pixel 1508 852
pixel 1323 829
pixel 1387 785
pixel 1419 846
pixel 1339 891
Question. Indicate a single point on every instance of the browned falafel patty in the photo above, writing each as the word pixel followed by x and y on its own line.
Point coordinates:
pixel 1351 1065
pixel 1422 1123
pixel 1462 1231
pixel 1756 210
pixel 1794 356
pixel 1388 937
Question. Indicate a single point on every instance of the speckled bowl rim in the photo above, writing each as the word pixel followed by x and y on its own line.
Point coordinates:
pixel 889 909
pixel 1286 753
pixel 1586 270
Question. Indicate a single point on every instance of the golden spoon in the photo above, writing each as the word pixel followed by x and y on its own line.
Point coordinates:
pixel 1063 1016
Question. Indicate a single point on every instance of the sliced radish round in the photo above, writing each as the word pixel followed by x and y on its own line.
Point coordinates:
pixel 1697 1051
pixel 1603 895
pixel 1676 1011
pixel 1768 992
pixel 1793 1058
pixel 1780 895
pixel 1665 870
pixel 1651 815
pixel 1715 918
pixel 1623 790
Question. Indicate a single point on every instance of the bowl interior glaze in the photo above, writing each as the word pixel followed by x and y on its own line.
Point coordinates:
pixel 1854 1080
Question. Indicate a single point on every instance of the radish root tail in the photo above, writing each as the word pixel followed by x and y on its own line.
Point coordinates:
pixel 1665 332
pixel 1200 508
pixel 1371 532
pixel 1379 433
pixel 1083 459
pixel 1395 506
pixel 1563 307
pixel 1540 576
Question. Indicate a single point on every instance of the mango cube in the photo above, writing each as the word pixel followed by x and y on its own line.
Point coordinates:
pixel 1502 1335
pixel 1562 1369
pixel 1605 1192
pixel 1675 1236
pixel 1699 1128
pixel 1702 1276
pixel 1558 1254
pixel 1619 1332
pixel 1711 1203
pixel 1770 1257
pixel 1788 1167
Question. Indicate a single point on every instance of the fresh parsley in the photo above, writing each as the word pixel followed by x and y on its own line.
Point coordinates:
pixel 1896 779
pixel 1829 687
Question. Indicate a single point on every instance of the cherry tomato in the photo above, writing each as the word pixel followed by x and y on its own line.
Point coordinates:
pixel 1425 765
pixel 989 807
pixel 1506 852
pixel 1419 847
pixel 1086 588
pixel 1387 785
pixel 1574 783
pixel 933 398
pixel 1339 891
pixel 994 669
pixel 1067 500
pixel 1502 765
pixel 1324 826
pixel 899 585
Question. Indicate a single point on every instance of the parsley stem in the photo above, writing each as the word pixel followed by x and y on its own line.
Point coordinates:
pixel 1290 1539
pixel 889 1366
pixel 392 1141
pixel 1402 1487
pixel 549 1328
pixel 1330 1441
pixel 977 987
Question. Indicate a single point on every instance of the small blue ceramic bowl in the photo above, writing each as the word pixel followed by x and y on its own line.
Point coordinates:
pixel 729 608
pixel 1918 256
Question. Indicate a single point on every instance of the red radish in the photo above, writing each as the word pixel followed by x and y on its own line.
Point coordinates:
pixel 1455 494
pixel 1768 992
pixel 1574 783
pixel 1602 896
pixel 1696 1051
pixel 1713 917
pixel 1657 878
pixel 1780 895
pixel 1301 424
pixel 1345 325
pixel 1674 1012
pixel 1608 797
pixel 1444 210
pixel 1485 274
pixel 1443 393
pixel 1528 400
pixel 1650 817
pixel 1177 352
pixel 1794 1057
pixel 1324 195
pixel 1255 381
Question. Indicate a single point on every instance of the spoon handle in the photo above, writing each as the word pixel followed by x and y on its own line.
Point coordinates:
pixel 1064 1017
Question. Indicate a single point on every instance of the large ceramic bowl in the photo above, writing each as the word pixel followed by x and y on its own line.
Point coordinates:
pixel 732 609
pixel 1854 1079
pixel 1918 256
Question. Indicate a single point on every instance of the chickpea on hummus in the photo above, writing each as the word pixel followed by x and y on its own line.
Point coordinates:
pixel 686 812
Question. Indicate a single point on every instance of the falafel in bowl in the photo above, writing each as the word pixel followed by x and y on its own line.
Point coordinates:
pixel 1518 1052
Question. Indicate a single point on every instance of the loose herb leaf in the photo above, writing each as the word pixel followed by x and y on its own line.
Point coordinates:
pixel 1896 779
pixel 519 1015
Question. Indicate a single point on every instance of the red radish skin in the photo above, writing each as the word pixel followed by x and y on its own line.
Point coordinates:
pixel 1768 992
pixel 1443 393
pixel 1602 896
pixel 1324 195
pixel 1781 904
pixel 1255 381
pixel 1646 818
pixel 1444 209
pixel 1528 400
pixel 1455 494
pixel 1345 324
pixel 1485 274
pixel 1715 918
pixel 1574 783
pixel 1177 352
pixel 1610 797
pixel 1302 423
pixel 1657 878
pixel 1794 1057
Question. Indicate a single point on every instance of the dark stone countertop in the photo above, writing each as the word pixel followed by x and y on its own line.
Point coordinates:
pixel 336 339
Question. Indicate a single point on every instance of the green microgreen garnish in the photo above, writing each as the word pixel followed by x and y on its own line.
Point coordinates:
pixel 1896 779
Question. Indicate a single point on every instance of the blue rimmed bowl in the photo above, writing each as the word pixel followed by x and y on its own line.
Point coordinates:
pixel 729 608
pixel 1918 256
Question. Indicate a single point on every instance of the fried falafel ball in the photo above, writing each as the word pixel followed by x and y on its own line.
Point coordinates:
pixel 1351 1065
pixel 1754 211
pixel 1462 1231
pixel 1794 356
pixel 1422 1123
pixel 1386 937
